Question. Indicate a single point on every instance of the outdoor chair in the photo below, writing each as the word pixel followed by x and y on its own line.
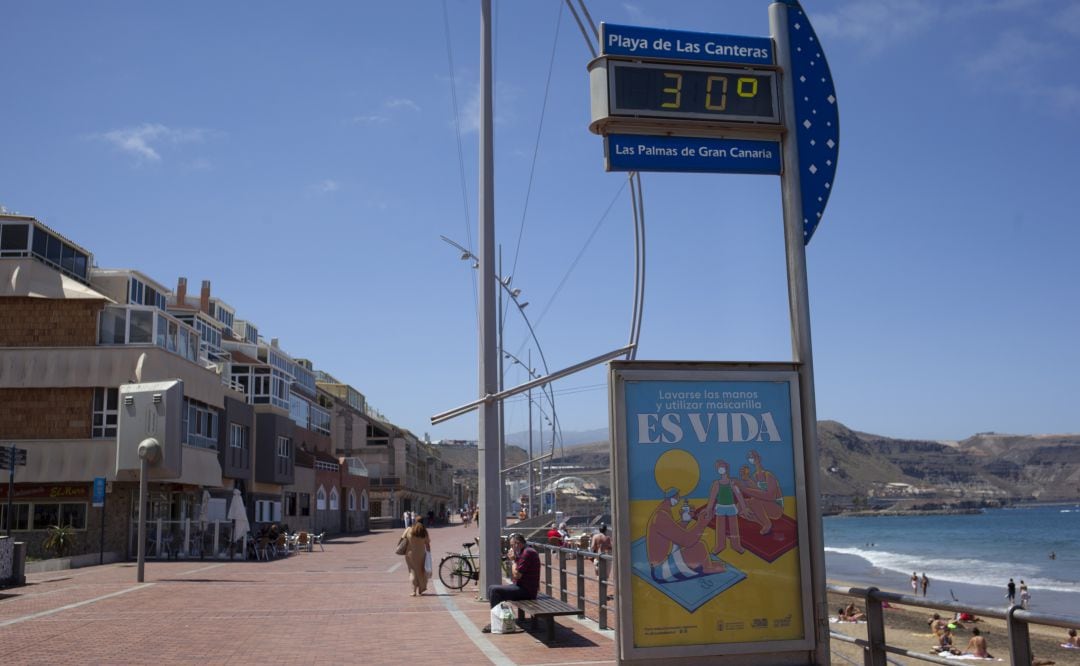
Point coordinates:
pixel 262 549
pixel 303 540
pixel 282 545
pixel 317 539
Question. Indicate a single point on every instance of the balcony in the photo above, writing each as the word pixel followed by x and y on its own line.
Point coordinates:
pixel 386 483
pixel 137 325
pixel 356 467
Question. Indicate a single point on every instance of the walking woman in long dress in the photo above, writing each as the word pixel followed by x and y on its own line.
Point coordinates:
pixel 419 546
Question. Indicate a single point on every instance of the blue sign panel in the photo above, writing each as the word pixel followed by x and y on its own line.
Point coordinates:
pixel 817 119
pixel 637 152
pixel 99 491
pixel 629 40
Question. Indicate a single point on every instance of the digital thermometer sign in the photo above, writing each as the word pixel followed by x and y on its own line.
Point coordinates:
pixel 691 92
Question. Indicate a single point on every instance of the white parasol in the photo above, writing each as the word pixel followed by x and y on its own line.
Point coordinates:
pixel 238 514
pixel 204 509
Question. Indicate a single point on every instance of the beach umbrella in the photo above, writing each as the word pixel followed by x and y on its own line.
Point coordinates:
pixel 204 509
pixel 238 514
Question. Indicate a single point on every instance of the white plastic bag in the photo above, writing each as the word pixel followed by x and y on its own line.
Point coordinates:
pixel 502 619
pixel 427 562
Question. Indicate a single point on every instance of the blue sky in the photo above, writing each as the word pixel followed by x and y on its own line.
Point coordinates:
pixel 304 158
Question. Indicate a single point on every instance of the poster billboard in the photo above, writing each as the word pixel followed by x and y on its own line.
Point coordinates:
pixel 710 504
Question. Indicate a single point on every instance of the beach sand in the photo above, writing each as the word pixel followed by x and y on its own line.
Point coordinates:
pixel 906 627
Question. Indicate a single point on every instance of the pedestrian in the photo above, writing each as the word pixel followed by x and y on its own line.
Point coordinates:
pixel 925 583
pixel 601 545
pixel 476 516
pixel 1010 592
pixel 524 572
pixel 405 518
pixel 914 584
pixel 1025 596
pixel 415 554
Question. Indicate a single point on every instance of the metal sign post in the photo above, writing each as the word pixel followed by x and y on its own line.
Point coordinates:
pixel 99 502
pixel 10 457
pixel 675 101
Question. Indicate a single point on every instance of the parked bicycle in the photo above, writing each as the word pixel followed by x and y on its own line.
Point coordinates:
pixel 457 569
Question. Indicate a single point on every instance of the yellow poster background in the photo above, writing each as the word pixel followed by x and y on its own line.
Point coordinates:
pixel 766 606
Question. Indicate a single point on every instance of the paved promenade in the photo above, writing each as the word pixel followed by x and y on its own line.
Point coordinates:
pixel 347 605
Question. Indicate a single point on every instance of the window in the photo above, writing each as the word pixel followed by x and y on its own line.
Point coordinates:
pixel 320 500
pixel 290 504
pixel 142 327
pixel 105 412
pixel 352 500
pixel 73 514
pixel 20 516
pixel 334 499
pixel 45 515
pixel 238 436
pixel 363 500
pixel 14 240
pixel 200 425
pixel 284 447
pixel 320 420
pixel 267 511
pixel 112 330
pixel 305 504
pixel 298 410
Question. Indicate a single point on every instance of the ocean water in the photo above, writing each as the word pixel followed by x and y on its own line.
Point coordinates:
pixel 968 557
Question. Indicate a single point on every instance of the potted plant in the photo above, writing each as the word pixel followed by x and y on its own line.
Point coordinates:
pixel 60 541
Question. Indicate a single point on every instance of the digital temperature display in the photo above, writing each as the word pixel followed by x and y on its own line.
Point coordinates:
pixel 689 92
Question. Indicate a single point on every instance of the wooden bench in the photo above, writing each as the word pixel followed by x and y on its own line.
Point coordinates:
pixel 543 606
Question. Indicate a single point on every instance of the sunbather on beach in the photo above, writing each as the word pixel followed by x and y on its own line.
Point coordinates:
pixel 945 643
pixel 976 647
pixel 1073 641
pixel 851 613
pixel 937 625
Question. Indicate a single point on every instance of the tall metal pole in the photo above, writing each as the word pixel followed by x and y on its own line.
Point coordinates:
pixel 502 379
pixel 141 547
pixel 532 494
pixel 799 305
pixel 488 462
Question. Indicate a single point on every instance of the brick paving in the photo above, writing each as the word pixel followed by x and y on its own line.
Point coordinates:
pixel 347 605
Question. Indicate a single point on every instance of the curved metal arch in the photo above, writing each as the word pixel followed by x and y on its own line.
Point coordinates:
pixel 637 200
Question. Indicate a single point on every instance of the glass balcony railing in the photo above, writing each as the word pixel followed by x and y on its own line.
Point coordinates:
pixel 147 325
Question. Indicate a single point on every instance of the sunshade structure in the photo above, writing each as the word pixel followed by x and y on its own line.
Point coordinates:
pixel 238 514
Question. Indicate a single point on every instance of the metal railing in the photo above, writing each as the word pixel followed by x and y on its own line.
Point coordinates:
pixel 554 564
pixel 875 648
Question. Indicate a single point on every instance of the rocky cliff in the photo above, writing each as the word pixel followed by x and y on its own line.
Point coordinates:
pixel 861 469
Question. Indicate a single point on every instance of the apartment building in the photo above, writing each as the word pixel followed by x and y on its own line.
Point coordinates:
pixel 71 335
pixel 294 441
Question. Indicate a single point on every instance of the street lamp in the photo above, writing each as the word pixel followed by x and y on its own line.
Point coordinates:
pixel 549 393
pixel 514 293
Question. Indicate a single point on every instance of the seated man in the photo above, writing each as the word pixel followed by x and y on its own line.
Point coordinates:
pixel 976 647
pixel 524 571
pixel 937 625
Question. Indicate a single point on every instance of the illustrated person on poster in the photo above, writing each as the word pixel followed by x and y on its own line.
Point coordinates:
pixel 728 503
pixel 676 552
pixel 765 499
